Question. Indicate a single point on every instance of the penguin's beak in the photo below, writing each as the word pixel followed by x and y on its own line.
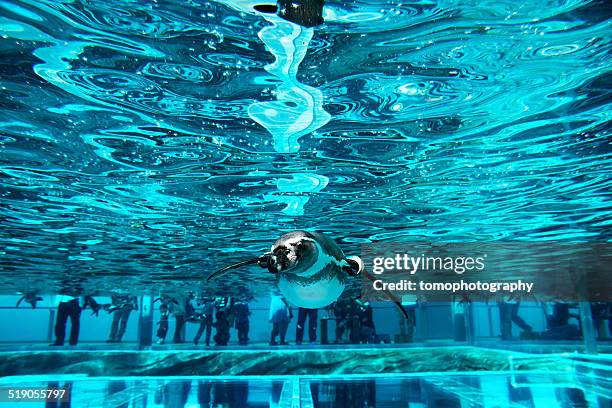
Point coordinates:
pixel 273 265
pixel 263 261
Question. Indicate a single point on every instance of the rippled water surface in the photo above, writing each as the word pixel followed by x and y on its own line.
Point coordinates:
pixel 146 140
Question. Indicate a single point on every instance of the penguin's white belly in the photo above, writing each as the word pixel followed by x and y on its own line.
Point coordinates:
pixel 314 293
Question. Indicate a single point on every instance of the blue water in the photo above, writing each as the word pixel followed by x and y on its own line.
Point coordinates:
pixel 448 391
pixel 146 142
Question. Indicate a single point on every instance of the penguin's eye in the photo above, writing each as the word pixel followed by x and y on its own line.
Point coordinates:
pixel 282 250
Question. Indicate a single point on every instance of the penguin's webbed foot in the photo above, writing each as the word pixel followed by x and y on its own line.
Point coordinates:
pixel 355 266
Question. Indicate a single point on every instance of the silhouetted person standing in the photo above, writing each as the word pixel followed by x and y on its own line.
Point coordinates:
pixel 179 309
pixel 341 312
pixel 602 311
pixel 222 324
pixel 68 307
pixel 241 313
pixel 280 315
pixel 164 314
pixel 366 318
pixel 508 314
pixel 558 325
pixel 121 308
pixel 206 321
pixel 311 314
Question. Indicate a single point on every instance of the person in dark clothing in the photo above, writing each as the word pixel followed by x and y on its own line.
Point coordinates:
pixel 179 323
pixel 122 306
pixel 68 307
pixel 206 321
pixel 183 311
pixel 366 320
pixel 303 314
pixel 602 311
pixel 190 310
pixel 280 315
pixel 341 312
pixel 162 330
pixel 354 321
pixel 241 313
pixel 164 311
pixel 408 326
pixel 557 323
pixel 222 324
pixel 508 314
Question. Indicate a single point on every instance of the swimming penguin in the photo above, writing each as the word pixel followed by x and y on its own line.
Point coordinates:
pixel 310 268
pixel 30 297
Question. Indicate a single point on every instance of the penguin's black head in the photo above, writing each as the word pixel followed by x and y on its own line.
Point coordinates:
pixel 293 253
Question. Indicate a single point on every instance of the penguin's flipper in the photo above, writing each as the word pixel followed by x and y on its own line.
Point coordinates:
pixel 34 301
pixel 391 296
pixel 262 259
pixel 19 301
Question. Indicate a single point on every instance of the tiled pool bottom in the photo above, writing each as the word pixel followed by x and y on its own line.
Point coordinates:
pixel 365 377
pixel 437 390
